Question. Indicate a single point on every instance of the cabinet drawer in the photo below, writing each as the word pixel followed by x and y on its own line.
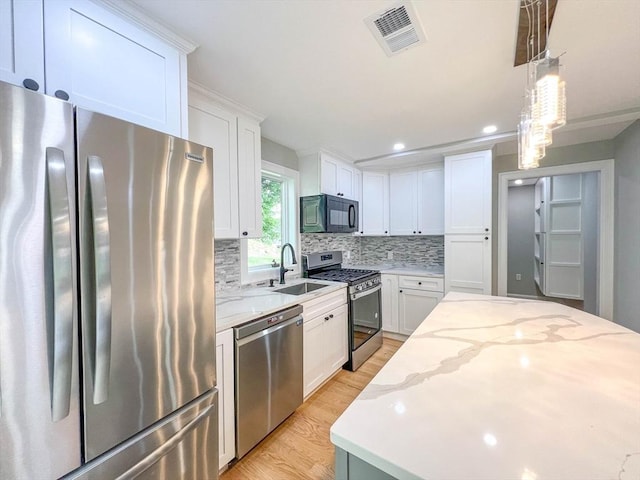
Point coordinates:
pixel 319 306
pixel 421 283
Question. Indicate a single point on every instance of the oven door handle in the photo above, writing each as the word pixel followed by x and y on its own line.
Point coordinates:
pixel 356 296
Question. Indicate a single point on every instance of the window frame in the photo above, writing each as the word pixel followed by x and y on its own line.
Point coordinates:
pixel 292 184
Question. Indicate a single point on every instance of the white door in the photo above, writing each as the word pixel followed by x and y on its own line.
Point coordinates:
pixel 403 203
pixel 467 266
pixel 389 303
pixel 467 190
pixel 336 339
pixel 249 179
pixel 375 204
pixel 217 129
pixel 431 201
pixel 314 354
pixel 415 305
pixel 108 65
pixel 328 174
pixel 564 266
pixel 22 43
pixel 226 396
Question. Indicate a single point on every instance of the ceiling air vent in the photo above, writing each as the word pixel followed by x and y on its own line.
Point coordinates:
pixel 396 29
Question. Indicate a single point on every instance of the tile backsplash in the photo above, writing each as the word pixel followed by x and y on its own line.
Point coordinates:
pixel 227 264
pixel 427 251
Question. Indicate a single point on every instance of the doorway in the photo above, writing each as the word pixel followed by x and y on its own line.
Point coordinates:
pixel 602 288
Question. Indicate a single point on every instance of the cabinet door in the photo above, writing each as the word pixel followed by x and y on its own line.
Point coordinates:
pixel 346 180
pixel 226 408
pixel 217 129
pixel 375 204
pixel 108 65
pixel 328 174
pixel 415 305
pixel 467 266
pixel 467 180
pixel 389 303
pixel 249 179
pixel 431 201
pixel 403 195
pixel 21 42
pixel 336 340
pixel 314 355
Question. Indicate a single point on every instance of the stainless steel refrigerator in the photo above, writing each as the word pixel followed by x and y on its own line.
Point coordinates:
pixel 107 328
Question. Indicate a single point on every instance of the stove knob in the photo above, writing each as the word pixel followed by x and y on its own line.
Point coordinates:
pixel 358 287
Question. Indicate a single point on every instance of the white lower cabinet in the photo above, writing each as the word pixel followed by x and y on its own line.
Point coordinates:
pixel 414 306
pixel 226 397
pixel 325 339
pixel 407 300
pixel 389 302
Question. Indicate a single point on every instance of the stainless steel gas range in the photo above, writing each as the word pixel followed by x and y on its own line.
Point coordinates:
pixel 364 294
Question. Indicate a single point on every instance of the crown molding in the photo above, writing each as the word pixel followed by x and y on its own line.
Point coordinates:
pixel 131 12
pixel 226 102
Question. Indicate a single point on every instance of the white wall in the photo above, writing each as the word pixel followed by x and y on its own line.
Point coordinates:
pixel 520 240
pixel 590 229
pixel 627 228
pixel 275 153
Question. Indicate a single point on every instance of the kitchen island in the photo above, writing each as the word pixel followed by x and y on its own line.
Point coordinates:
pixel 502 389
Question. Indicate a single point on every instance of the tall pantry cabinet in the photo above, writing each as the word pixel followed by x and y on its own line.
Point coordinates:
pixel 467 222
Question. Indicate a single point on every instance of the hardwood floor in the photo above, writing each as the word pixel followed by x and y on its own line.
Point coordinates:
pixel 300 448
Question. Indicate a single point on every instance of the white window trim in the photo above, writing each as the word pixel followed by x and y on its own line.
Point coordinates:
pixel 249 277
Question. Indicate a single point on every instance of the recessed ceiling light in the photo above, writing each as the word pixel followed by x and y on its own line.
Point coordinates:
pixel 518 181
pixel 398 146
pixel 490 129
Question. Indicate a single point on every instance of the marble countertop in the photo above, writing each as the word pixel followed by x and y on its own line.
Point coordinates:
pixel 246 304
pixel 503 389
pixel 402 269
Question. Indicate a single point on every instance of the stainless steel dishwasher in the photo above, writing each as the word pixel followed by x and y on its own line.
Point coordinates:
pixel 268 381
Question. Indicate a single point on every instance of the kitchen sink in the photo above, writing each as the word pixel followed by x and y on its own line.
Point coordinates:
pixel 301 288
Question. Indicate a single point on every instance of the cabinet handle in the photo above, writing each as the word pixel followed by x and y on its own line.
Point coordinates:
pixel 62 95
pixel 326 318
pixel 419 231
pixel 486 229
pixel 414 231
pixel 386 231
pixel 419 283
pixel 331 315
pixel 245 233
pixel 361 233
pixel 400 291
pixel 486 238
pixel 30 84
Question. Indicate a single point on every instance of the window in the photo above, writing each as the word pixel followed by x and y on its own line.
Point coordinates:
pixel 260 256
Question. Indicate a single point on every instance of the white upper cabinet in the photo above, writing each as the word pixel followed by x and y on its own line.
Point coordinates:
pixel 237 164
pixel 403 203
pixel 416 204
pixel 431 201
pixel 324 173
pixel 467 179
pixel 101 62
pixel 22 43
pixel 217 128
pixel 250 179
pixel 375 204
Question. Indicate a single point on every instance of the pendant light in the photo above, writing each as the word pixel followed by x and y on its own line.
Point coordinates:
pixel 545 102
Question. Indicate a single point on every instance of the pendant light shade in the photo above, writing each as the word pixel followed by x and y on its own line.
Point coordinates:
pixel 550 94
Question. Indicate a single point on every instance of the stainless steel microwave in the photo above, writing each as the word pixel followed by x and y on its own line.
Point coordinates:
pixel 328 214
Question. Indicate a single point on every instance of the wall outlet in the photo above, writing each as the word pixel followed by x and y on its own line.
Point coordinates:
pixel 389 255
pixel 348 254
pixel 518 276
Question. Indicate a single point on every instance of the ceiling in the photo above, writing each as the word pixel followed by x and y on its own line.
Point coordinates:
pixel 315 72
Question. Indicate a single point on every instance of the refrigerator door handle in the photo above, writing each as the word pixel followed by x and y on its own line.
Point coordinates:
pixel 99 249
pixel 165 448
pixel 60 295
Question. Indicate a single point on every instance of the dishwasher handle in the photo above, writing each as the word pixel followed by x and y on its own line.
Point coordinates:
pixel 267 331
pixel 266 322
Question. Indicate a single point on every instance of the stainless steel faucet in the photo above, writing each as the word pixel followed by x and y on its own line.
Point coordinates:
pixel 293 256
